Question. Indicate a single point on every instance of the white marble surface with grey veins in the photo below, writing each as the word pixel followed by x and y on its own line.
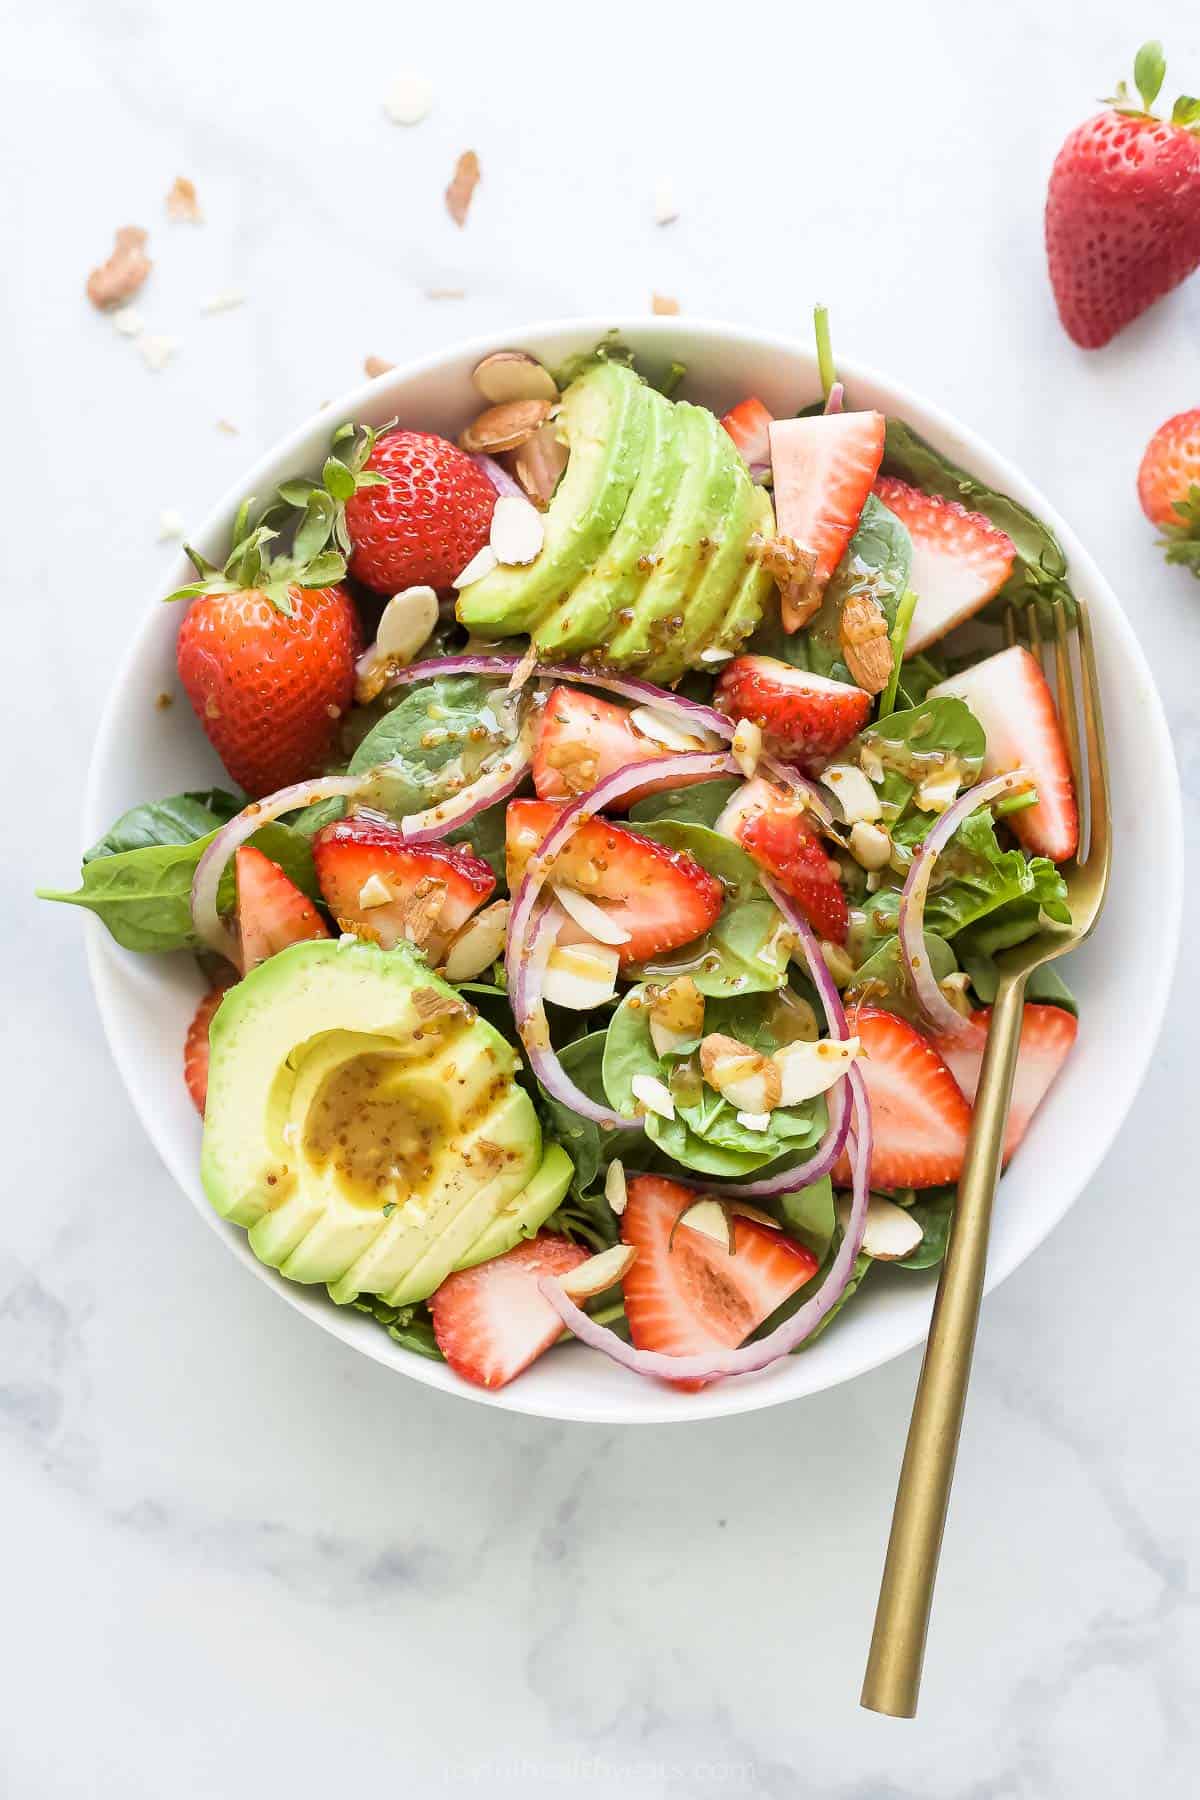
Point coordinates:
pixel 240 1560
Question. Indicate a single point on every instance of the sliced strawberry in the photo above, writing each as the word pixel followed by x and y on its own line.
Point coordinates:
pixel 919 1118
pixel 1011 698
pixel 774 829
pixel 749 425
pixel 272 912
pixel 1047 1038
pixel 805 718
pixel 195 1048
pixel 823 469
pixel 686 1293
pixel 661 897
pixel 491 1321
pixel 960 559
pixel 382 888
pixel 580 740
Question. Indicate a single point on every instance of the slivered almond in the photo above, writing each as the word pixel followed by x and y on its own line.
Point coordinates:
pixel 580 976
pixel 405 623
pixel 854 793
pixel 182 204
pixel 513 375
pixel 517 533
pixel 481 564
pixel 478 944
pixel 741 1209
pixel 615 1190
pixel 654 1095
pixel 870 845
pixel 806 1070
pixel 538 463
pixel 374 366
pixel 663 730
pixel 463 183
pixel 504 427
pixel 747 1079
pixel 710 1219
pixel 746 747
pixel 891 1234
pixel 598 1272
pixel 590 917
pixel 375 892
pixel 679 1006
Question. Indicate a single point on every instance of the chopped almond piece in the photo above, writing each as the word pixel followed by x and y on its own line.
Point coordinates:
pixel 665 304
pixel 122 275
pixel 463 183
pixel 182 205
pixel 375 365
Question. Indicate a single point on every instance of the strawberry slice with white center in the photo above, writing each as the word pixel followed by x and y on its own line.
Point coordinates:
pixel 384 889
pixel 1011 698
pixel 272 912
pixel 582 739
pixel 919 1117
pixel 960 559
pixel 687 1293
pixel 661 898
pixel 823 471
pixel 196 1048
pixel 805 719
pixel 492 1321
pixel 774 829
pixel 1047 1038
pixel 749 425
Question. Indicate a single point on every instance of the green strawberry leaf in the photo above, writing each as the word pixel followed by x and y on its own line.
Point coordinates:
pixel 339 480
pixel 1149 72
pixel 323 570
pixel 296 492
pixel 1186 111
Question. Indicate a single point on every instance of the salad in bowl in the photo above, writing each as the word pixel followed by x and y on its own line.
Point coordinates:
pixel 626 808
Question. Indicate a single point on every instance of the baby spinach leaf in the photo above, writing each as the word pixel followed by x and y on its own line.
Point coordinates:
pixel 178 820
pixel 410 1326
pixel 737 872
pixel 435 739
pixel 808 1215
pixel 143 895
pixel 973 877
pixel 745 952
pixel 1045 985
pixel 699 805
pixel 882 980
pixel 590 1147
pixel 933 1210
pixel 877 563
pixel 918 742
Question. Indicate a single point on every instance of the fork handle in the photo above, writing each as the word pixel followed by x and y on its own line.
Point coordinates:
pixel 893 1676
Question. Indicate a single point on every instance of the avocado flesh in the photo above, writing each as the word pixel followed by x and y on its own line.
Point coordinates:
pixel 702 497
pixel 604 421
pixel 335 1092
pixel 584 617
pixel 526 1214
pixel 754 589
pixel 714 593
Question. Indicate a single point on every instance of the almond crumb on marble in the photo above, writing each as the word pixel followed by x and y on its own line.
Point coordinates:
pixel 156 352
pixel 376 365
pixel 226 302
pixel 228 427
pixel 170 524
pixel 182 204
pixel 666 304
pixel 128 321
pixel 445 293
pixel 409 99
pixel 118 279
pixel 665 209
pixel 462 186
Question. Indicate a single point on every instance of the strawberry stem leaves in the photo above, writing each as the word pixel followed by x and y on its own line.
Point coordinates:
pixel 1149 72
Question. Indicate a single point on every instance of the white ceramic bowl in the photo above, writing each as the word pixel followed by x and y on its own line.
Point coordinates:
pixel 1121 977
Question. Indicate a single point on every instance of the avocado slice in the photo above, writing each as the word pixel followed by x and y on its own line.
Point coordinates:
pixel 753 591
pixel 604 420
pixel 701 497
pixel 583 618
pixel 363 1122
pixel 527 1213
pixel 714 592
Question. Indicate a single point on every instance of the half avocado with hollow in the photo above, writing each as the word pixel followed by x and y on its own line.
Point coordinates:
pixel 365 1124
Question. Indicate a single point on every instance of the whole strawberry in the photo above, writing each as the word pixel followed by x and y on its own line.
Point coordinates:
pixel 1169 487
pixel 1123 209
pixel 424 520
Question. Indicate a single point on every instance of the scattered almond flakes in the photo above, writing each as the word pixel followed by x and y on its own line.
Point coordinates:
pixel 663 303
pixel 163 701
pixel 463 183
pixel 156 352
pixel 170 525
pixel 376 365
pixel 182 205
pixel 122 275
pixel 438 293
pixel 128 321
pixel 665 210
pixel 409 100
pixel 523 670
pixel 226 302
pixel 228 427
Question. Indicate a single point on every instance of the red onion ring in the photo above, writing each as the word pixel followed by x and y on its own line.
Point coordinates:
pixel 207 920
pixel 489 787
pixel 717 1365
pixel 500 478
pixel 703 718
pixel 945 1020
pixel 528 1009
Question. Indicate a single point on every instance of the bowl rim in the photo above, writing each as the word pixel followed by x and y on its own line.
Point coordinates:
pixel 724 1398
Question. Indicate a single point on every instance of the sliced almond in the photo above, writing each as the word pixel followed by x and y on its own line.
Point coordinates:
pixel 939 791
pixel 481 564
pixel 405 624
pixel 710 1219
pixel 375 892
pixel 505 427
pixel 580 976
pixel 591 918
pixel 754 1121
pixel 664 304
pixel 747 1079
pixel 954 987
pixel 479 943
pixel 679 1006
pixel 409 100
pixel 661 729
pixel 598 1272
pixel 715 655
pixel 539 462
pixel 518 530
pixel 513 375
pixel 375 366
pixel 891 1234
pixel 122 275
pixel 839 963
pixel 806 1070
pixel 741 1209
pixel 182 204
pixel 854 793
pixel 747 747
pixel 667 1042
pixel 616 1191
pixel 870 845
pixel 654 1095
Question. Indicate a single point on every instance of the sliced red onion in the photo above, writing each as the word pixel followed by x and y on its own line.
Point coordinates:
pixel 500 478
pixel 836 399
pixel 493 785
pixel 207 920
pixel 529 1012
pixel 717 1365
pixel 803 785
pixel 945 1020
pixel 691 712
pixel 759 472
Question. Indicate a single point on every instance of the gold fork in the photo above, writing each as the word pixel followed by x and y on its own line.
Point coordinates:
pixel 893 1676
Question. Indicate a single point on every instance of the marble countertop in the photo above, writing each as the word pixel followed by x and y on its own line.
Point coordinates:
pixel 239 1557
